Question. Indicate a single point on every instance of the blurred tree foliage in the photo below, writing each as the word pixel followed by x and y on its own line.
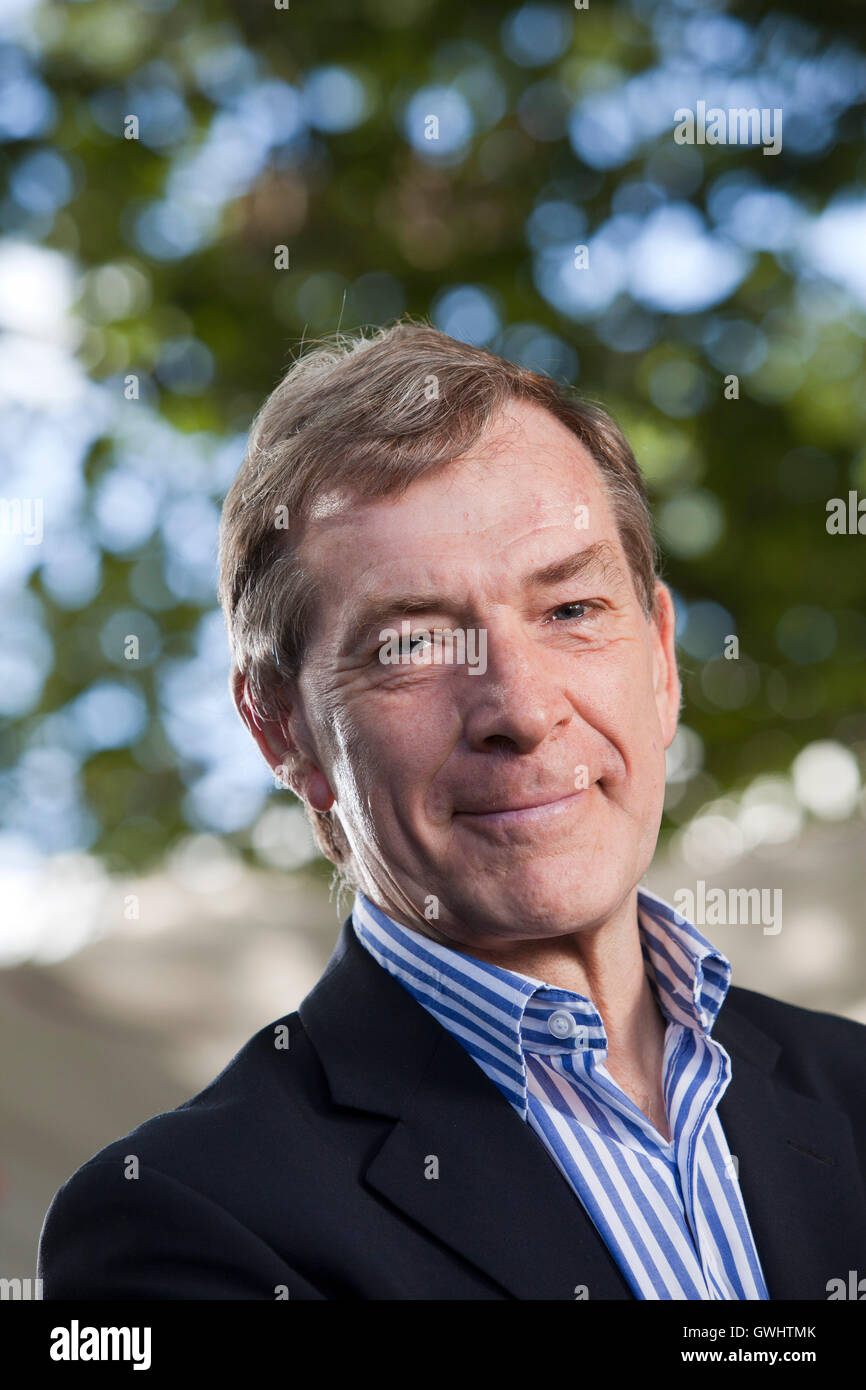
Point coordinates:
pixel 376 223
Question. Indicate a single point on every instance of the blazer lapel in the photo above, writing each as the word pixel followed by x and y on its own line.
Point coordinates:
pixel 499 1199
pixel 797 1165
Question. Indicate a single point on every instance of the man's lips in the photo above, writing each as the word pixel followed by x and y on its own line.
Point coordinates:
pixel 516 804
pixel 525 812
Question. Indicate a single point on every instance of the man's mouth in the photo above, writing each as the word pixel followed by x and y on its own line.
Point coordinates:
pixel 518 811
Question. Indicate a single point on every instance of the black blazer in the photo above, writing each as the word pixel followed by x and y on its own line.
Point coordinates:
pixel 301 1171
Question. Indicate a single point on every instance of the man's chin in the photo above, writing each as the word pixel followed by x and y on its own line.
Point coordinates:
pixel 536 905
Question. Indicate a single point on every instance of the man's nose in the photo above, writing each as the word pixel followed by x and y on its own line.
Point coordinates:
pixel 520 696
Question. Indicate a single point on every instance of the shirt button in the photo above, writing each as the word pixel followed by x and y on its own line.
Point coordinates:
pixel 561 1024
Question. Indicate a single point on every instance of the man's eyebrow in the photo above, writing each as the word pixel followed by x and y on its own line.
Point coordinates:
pixel 597 558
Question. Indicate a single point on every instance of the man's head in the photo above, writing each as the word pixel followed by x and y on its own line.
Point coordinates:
pixel 409 476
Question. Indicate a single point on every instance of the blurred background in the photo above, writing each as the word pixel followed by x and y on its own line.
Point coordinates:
pixel 161 900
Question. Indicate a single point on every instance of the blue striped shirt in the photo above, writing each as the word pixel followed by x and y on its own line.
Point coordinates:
pixel 671 1213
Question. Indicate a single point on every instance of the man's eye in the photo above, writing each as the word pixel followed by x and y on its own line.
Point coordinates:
pixel 587 609
pixel 417 642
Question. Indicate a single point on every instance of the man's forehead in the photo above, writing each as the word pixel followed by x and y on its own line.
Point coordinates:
pixel 527 484
pixel 369 548
pixel 496 477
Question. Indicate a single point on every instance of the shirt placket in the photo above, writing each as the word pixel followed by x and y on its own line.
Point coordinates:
pixel 688 1151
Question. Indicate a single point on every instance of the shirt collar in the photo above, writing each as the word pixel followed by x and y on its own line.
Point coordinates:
pixel 501 1015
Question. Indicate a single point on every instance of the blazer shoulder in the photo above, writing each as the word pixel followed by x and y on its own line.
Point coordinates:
pixel 174 1207
pixel 259 1090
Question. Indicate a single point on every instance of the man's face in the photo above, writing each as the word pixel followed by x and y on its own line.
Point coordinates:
pixel 578 701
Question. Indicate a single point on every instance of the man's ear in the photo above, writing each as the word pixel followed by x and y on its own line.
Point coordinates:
pixel 279 747
pixel 269 734
pixel 666 678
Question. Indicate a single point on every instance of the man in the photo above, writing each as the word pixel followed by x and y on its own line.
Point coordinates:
pixel 521 1075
